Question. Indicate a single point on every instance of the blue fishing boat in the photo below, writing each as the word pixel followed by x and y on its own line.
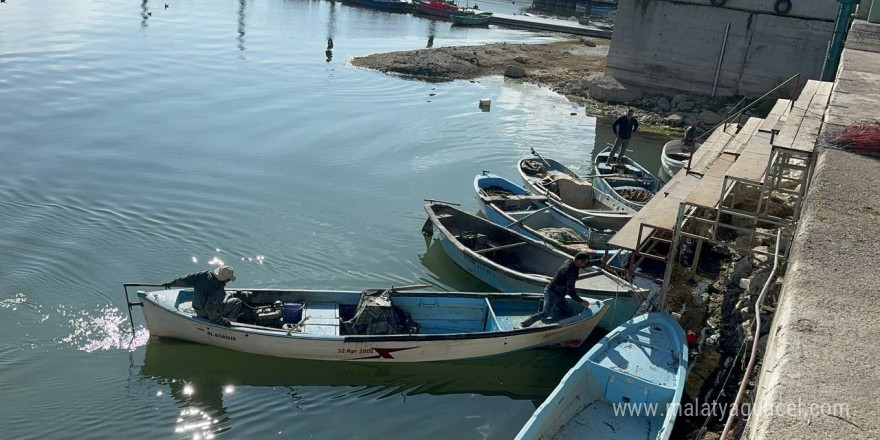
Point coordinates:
pixel 514 207
pixel 628 181
pixel 576 196
pixel 639 366
pixel 512 262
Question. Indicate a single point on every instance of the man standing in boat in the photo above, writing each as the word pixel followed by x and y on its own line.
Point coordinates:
pixel 210 299
pixel 623 129
pixel 561 285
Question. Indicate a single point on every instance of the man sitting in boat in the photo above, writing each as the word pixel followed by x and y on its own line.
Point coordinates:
pixel 623 129
pixel 210 299
pixel 561 285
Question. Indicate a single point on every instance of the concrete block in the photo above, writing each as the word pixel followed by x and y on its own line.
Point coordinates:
pixel 666 46
pixel 811 9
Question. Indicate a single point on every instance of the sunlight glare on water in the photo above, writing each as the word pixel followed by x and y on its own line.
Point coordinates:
pixel 107 329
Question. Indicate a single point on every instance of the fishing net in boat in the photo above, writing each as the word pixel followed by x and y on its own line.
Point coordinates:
pixel 497 191
pixel 565 235
pixel 376 315
pixel 862 138
pixel 533 167
pixel 634 194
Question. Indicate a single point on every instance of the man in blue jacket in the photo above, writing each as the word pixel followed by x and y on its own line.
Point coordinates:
pixel 210 299
pixel 623 129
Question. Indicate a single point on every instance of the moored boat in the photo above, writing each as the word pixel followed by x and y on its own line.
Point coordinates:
pixel 630 182
pixel 577 197
pixel 512 206
pixel 512 262
pixel 470 17
pixel 371 326
pixel 387 5
pixel 439 8
pixel 628 386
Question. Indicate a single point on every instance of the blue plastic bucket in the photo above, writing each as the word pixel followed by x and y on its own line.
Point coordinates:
pixel 292 313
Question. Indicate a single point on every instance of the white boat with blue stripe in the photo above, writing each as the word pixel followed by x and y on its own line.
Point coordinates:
pixel 370 326
pixel 628 386
pixel 512 262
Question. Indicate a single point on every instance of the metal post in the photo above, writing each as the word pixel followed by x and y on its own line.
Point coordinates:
pixel 841 26
pixel 670 259
pixel 720 59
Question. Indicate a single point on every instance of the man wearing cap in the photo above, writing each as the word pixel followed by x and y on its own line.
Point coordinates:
pixel 561 285
pixel 210 299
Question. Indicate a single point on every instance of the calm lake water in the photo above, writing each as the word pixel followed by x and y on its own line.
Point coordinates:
pixel 141 143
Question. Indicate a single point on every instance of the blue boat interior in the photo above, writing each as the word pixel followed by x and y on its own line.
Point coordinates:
pixel 326 313
pixel 626 385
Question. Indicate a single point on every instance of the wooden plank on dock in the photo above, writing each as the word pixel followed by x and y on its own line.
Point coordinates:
pixel 738 143
pixel 779 110
pixel 802 132
pixel 750 166
pixel 661 211
pixel 709 151
pixel 708 191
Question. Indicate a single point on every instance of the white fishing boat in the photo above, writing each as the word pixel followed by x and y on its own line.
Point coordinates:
pixel 628 181
pixel 510 205
pixel 369 326
pixel 628 386
pixel 574 195
pixel 512 262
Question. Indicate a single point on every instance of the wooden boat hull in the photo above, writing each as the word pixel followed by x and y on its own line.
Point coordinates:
pixel 579 199
pixel 528 267
pixel 530 216
pixel 454 326
pixel 641 363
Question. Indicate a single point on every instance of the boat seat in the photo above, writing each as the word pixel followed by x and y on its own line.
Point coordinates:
pixel 321 319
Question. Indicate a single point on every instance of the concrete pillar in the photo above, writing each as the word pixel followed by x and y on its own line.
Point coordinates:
pixel 874 14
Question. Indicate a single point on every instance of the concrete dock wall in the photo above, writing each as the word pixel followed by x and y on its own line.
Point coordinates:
pixel 672 46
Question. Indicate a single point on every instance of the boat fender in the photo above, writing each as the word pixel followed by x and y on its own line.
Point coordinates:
pixel 782 7
pixel 718 2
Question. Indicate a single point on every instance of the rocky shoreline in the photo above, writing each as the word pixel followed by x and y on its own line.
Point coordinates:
pixel 574 68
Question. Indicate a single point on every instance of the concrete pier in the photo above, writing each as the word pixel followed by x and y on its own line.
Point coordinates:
pixel 820 377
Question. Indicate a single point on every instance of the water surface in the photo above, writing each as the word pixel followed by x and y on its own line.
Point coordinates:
pixel 141 143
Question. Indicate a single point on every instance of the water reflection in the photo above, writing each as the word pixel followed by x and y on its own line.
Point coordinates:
pixel 199 376
pixel 432 30
pixel 331 31
pixel 446 272
pixel 145 13
pixel 241 16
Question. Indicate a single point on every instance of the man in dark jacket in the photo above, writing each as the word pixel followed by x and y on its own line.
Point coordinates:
pixel 623 129
pixel 210 299
pixel 561 285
